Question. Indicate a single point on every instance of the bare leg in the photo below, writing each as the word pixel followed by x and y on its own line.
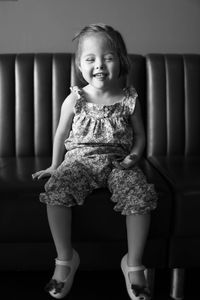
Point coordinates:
pixel 59 218
pixel 137 231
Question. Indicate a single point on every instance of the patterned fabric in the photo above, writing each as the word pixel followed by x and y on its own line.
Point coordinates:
pixel 100 134
pixel 102 125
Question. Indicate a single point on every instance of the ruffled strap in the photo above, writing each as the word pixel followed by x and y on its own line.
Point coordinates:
pixel 79 103
pixel 76 90
pixel 131 98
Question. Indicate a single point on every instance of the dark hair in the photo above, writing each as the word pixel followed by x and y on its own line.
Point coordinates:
pixel 115 39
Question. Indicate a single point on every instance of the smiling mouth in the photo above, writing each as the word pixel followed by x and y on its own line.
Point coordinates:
pixel 100 75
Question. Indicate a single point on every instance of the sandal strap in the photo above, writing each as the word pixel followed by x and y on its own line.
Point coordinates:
pixel 66 263
pixel 62 262
pixel 135 269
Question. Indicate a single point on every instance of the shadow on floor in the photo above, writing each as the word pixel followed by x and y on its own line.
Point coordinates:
pixel 90 285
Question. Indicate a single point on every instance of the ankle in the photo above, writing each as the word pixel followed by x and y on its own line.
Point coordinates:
pixel 65 255
pixel 133 262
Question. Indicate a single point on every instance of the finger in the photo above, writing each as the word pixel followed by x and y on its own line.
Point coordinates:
pixel 35 175
pixel 44 175
pixel 118 165
pixel 129 165
pixel 123 165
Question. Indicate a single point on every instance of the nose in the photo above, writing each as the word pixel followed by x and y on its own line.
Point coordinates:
pixel 99 65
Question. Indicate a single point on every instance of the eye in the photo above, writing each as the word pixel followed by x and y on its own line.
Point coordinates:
pixel 90 59
pixel 109 58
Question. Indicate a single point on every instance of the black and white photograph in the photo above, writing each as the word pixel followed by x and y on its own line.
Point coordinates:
pixel 99 149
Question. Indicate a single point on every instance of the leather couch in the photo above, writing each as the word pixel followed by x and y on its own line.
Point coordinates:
pixel 173 148
pixel 32 89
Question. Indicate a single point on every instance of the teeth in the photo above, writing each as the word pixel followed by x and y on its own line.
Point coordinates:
pixel 100 75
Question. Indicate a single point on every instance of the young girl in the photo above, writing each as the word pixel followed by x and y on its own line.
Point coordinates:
pixel 102 130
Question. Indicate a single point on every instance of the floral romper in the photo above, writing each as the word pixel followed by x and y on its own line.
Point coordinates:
pixel 100 134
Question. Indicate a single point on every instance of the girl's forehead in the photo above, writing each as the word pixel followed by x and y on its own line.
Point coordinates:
pixel 96 41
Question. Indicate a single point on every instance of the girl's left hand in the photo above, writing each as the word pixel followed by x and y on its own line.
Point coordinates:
pixel 128 162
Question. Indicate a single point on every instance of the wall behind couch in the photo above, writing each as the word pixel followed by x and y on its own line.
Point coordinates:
pixel 147 25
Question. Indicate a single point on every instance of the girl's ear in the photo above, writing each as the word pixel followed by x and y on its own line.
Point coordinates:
pixel 79 67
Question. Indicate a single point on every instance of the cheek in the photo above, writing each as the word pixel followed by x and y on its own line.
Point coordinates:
pixel 85 68
pixel 116 70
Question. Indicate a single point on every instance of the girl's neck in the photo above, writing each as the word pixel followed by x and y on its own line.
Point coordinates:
pixel 104 93
pixel 101 96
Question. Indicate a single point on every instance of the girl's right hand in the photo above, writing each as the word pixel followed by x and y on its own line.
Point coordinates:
pixel 43 173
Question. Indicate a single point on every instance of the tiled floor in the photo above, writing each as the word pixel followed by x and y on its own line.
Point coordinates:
pixel 87 285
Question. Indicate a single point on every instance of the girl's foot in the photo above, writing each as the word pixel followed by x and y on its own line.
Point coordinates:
pixel 61 272
pixel 136 283
pixel 62 280
pixel 136 277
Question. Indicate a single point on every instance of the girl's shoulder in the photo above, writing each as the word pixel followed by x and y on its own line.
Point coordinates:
pixel 70 101
pixel 130 92
pixel 76 91
pixel 131 97
pixel 77 97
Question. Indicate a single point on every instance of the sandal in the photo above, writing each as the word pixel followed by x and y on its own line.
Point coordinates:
pixel 135 292
pixel 61 289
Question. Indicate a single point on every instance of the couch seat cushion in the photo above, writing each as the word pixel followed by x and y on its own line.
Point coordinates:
pixel 16 173
pixel 183 174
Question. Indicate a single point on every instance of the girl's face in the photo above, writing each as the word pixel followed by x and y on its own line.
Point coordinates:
pixel 99 64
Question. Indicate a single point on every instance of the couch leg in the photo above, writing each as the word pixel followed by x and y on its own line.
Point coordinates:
pixel 150 275
pixel 177 283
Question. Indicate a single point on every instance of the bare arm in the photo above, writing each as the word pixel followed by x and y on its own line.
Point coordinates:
pixel 62 132
pixel 138 131
pixel 139 140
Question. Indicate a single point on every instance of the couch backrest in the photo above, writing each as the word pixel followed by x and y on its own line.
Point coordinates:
pixel 32 89
pixel 173 105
